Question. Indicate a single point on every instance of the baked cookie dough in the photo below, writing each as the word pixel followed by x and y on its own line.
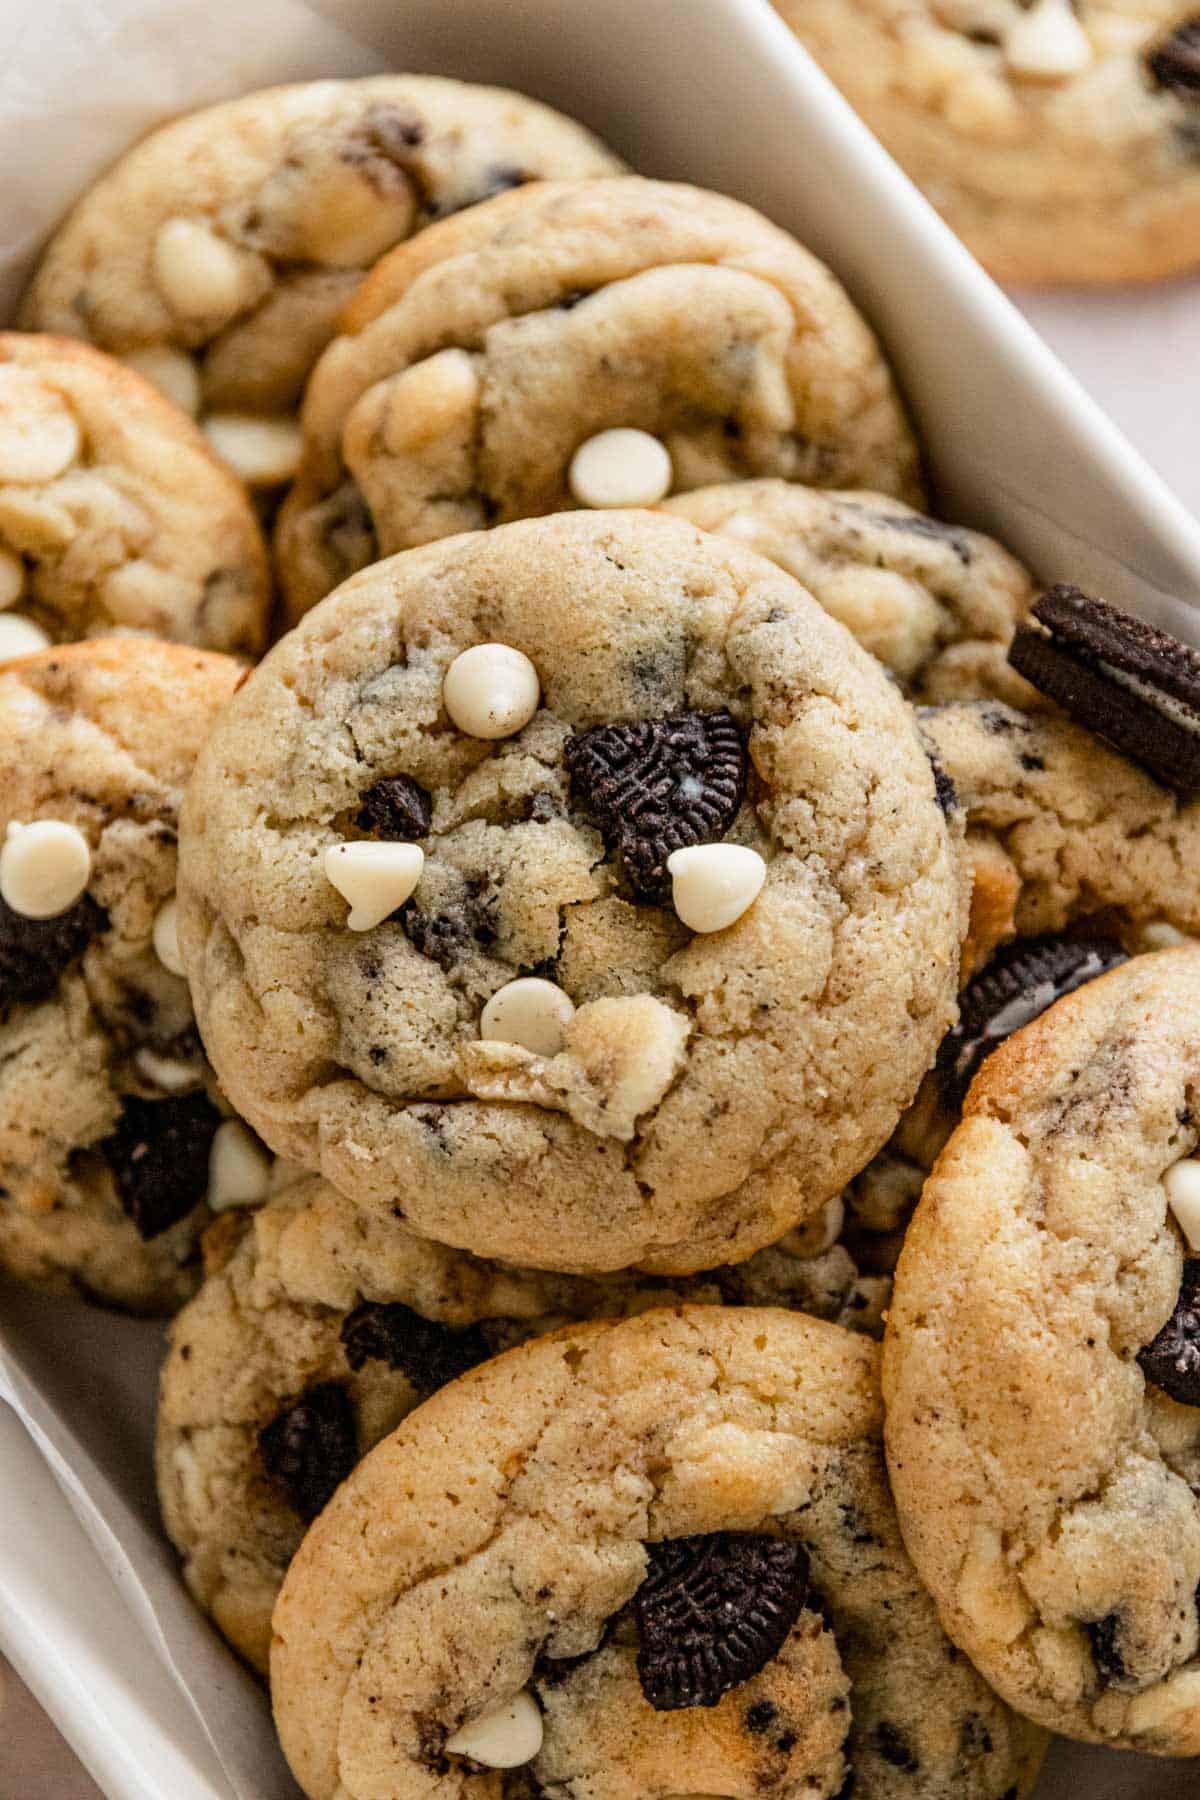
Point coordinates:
pixel 936 603
pixel 217 253
pixel 701 1089
pixel 115 516
pixel 1045 1476
pixel 108 1112
pixel 1060 141
pixel 665 1548
pixel 478 361
pixel 315 1332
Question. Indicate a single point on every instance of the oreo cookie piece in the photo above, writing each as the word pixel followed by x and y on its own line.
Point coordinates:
pixel 311 1447
pixel 1174 61
pixel 430 1354
pixel 712 1611
pixel 158 1155
pixel 1172 1359
pixel 654 786
pixel 1134 686
pixel 35 952
pixel 397 809
pixel 1015 988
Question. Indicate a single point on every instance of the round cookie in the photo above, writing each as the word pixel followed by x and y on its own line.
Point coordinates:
pixel 1060 142
pixel 115 516
pixel 621 1492
pixel 674 312
pixel 691 691
pixel 1045 1479
pixel 218 252
pixel 936 603
pixel 315 1333
pixel 107 1107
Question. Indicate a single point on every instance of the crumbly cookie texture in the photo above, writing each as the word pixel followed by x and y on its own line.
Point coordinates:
pixel 220 250
pixel 639 304
pixel 304 1293
pixel 107 1106
pixel 936 603
pixel 1060 143
pixel 1046 1487
pixel 689 1119
pixel 573 1462
pixel 115 516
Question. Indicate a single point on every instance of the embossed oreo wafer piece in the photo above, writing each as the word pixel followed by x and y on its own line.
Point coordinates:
pixel 1172 1359
pixel 428 1352
pixel 1135 686
pixel 1014 989
pixel 311 1447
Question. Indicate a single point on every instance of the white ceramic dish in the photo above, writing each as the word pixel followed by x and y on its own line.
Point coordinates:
pixel 712 90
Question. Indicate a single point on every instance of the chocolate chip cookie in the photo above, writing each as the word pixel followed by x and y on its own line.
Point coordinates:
pixel 1042 1400
pixel 218 252
pixel 625 1559
pixel 500 1022
pixel 115 516
pixel 315 1333
pixel 1060 138
pixel 677 338
pixel 108 1111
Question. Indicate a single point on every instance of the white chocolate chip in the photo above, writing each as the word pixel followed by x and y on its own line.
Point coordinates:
pixel 166 1072
pixel 263 452
pixel 201 275
pixel 714 884
pixel 1182 1185
pixel 1156 934
pixel 491 691
pixel 12 579
pixel 166 937
pixel 621 467
pixel 189 1472
pixel 239 1167
pixel 173 372
pixel 375 878
pixel 44 867
pixel 39 437
pixel 19 636
pixel 1048 43
pixel 530 1012
pixel 504 1737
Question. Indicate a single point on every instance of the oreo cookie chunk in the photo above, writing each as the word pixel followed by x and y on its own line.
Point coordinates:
pixel 34 953
pixel 159 1155
pixel 1015 988
pixel 1174 61
pixel 311 1447
pixel 1172 1359
pixel 1133 685
pixel 428 1353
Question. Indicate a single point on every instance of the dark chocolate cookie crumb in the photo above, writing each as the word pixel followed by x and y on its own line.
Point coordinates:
pixel 158 1155
pixel 1174 61
pixel 429 1353
pixel 397 809
pixel 311 1447
pixel 895 1748
pixel 448 936
pixel 1172 1359
pixel 1103 1635
pixel 35 952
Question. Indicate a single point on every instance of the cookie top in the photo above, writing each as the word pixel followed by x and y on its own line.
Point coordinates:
pixel 936 603
pixel 655 310
pixel 218 252
pixel 115 516
pixel 107 1109
pixel 323 1330
pixel 617 1489
pixel 677 1115
pixel 1060 142
pixel 1046 1484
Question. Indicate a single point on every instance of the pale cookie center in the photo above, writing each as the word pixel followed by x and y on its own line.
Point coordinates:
pixel 172 372
pixel 491 691
pixel 712 885
pixel 621 467
pixel 12 579
pixel 20 636
pixel 198 274
pixel 1181 1184
pixel 504 1737
pixel 1047 43
pixel 239 1168
pixel 39 437
pixel 166 936
pixel 44 867
pixel 263 452
pixel 530 1012
pixel 374 878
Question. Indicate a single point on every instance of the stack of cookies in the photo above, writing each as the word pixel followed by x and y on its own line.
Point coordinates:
pixel 512 1026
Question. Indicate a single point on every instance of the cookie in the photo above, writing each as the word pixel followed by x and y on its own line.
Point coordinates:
pixel 1135 686
pixel 303 1307
pixel 678 339
pixel 1059 141
pixel 936 603
pixel 217 253
pixel 670 1558
pixel 115 516
pixel 664 1098
pixel 109 1117
pixel 1045 1476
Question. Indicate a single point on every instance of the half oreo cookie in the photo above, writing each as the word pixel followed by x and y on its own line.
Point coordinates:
pixel 1134 686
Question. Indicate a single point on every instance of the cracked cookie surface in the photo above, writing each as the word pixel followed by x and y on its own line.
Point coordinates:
pixel 687 1121
pixel 575 1462
pixel 640 304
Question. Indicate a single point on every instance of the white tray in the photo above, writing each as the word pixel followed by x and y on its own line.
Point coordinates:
pixel 712 90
